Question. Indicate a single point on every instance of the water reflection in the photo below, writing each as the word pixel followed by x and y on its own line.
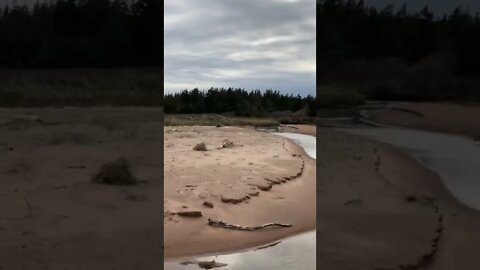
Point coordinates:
pixel 297 252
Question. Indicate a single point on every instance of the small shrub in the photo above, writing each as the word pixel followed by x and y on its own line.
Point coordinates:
pixel 115 173
pixel 411 198
pixel 200 147
pixel 339 98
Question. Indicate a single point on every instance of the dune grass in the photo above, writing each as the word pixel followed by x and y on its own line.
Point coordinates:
pixel 333 97
pixel 216 120
pixel 81 87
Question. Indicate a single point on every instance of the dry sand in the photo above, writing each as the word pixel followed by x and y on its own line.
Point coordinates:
pixel 239 174
pixel 440 117
pixel 52 216
pixel 366 219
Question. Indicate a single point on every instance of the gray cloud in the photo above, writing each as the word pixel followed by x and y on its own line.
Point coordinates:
pixel 241 43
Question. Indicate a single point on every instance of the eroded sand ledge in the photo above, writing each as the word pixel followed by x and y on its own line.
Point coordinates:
pixel 380 209
pixel 263 178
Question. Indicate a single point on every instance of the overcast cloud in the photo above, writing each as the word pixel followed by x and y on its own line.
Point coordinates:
pixel 240 43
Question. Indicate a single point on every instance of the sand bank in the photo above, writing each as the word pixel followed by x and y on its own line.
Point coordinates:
pixel 263 178
pixel 302 129
pixel 52 216
pixel 380 209
pixel 440 117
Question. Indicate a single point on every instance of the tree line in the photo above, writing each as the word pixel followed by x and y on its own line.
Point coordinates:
pixel 350 30
pixel 237 101
pixel 82 33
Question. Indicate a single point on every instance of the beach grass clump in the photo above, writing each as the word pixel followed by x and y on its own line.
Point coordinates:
pixel 200 147
pixel 411 198
pixel 329 97
pixel 217 120
pixel 81 87
pixel 115 173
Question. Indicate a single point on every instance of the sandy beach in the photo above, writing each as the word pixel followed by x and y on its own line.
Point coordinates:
pixel 52 216
pixel 262 178
pixel 380 209
pixel 440 117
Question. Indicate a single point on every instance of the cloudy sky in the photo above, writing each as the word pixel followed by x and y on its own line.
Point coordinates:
pixel 251 44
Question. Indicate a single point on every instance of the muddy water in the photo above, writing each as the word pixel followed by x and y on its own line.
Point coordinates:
pixel 296 252
pixel 456 159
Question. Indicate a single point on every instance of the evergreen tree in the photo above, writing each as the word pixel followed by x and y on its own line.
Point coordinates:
pixel 236 101
pixel 82 33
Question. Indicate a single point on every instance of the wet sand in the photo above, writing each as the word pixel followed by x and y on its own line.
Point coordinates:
pixel 52 216
pixel 378 208
pixel 440 117
pixel 263 178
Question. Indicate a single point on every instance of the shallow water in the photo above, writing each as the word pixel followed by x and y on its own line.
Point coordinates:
pixel 456 159
pixel 296 252
pixel 307 142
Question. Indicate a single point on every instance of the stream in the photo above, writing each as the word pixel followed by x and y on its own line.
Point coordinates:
pixel 455 158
